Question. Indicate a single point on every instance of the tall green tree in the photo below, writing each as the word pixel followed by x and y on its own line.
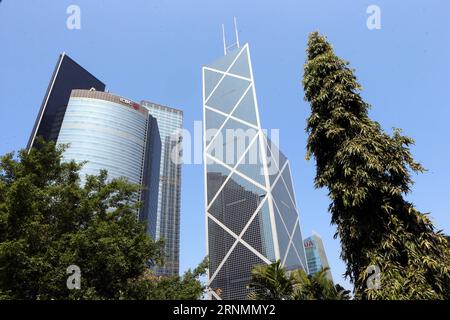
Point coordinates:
pixel 49 222
pixel 367 173
pixel 317 287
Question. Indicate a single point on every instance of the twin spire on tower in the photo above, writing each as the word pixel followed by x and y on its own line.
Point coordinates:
pixel 234 45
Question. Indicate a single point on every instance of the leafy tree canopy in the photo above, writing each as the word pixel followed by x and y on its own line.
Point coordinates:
pixel 272 282
pixel 48 221
pixel 151 287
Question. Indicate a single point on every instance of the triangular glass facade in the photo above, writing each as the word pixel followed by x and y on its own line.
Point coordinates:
pixel 251 209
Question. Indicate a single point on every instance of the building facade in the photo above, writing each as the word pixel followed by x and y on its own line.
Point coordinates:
pixel 170 122
pixel 113 133
pixel 127 139
pixel 68 75
pixel 251 210
pixel 315 255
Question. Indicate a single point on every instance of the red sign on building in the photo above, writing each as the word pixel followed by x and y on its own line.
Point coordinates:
pixel 309 244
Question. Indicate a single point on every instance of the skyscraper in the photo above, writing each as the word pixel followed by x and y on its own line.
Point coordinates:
pixel 315 255
pixel 113 133
pixel 170 121
pixel 68 75
pixel 125 141
pixel 251 210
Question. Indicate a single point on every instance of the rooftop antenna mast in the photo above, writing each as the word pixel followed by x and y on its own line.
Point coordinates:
pixel 236 32
pixel 234 45
pixel 224 42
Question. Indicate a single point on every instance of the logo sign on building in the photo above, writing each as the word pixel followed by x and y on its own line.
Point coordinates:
pixel 309 244
pixel 125 101
pixel 130 103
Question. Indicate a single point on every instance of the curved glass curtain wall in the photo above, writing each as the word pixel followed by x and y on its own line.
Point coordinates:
pixel 108 135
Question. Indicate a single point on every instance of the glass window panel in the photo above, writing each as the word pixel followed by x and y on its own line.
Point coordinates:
pixel 231 142
pixel 284 204
pixel 272 167
pixel 236 203
pixel 283 237
pixel 213 120
pixel 215 177
pixel 241 67
pixel 288 181
pixel 292 262
pixel 259 233
pixel 246 110
pixel 252 164
pixel 211 79
pixel 235 275
pixel 227 94
pixel 224 63
pixel 298 244
pixel 275 156
pixel 219 245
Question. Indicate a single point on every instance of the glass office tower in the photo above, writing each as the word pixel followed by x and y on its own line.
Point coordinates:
pixel 170 122
pixel 68 75
pixel 116 134
pixel 251 210
pixel 315 255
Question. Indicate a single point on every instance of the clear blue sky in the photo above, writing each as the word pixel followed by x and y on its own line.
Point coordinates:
pixel 154 50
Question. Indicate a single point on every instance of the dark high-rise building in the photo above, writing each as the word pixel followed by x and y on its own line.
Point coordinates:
pixel 234 207
pixel 150 176
pixel 170 122
pixel 68 75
